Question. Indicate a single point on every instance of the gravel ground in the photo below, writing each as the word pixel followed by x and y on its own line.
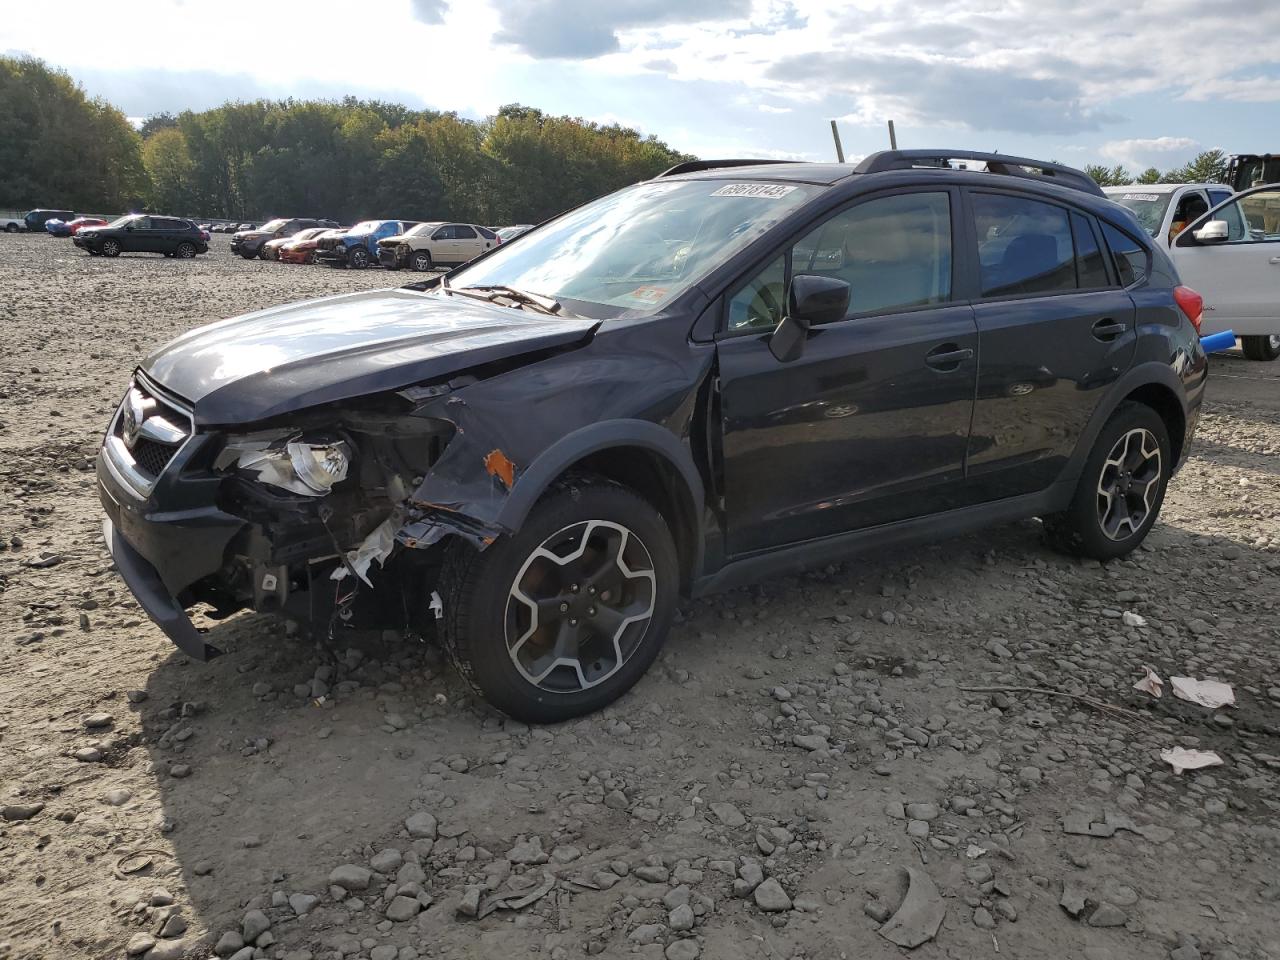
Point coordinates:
pixel 760 794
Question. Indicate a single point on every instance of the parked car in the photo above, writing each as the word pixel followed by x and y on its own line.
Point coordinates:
pixel 535 455
pixel 63 228
pixel 301 248
pixel 12 224
pixel 1231 255
pixel 272 248
pixel 357 248
pixel 430 244
pixel 142 233
pixel 510 233
pixel 35 220
pixel 250 243
pixel 1165 209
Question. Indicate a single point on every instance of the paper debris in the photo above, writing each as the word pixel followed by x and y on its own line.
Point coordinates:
pixel 1150 683
pixel 1207 693
pixel 376 546
pixel 1180 758
pixel 1131 619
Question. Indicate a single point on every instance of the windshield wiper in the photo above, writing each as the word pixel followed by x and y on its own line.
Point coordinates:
pixel 548 305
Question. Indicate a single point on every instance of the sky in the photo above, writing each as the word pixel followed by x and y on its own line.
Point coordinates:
pixel 1078 81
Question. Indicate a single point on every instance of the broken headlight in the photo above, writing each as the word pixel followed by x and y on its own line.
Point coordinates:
pixel 309 469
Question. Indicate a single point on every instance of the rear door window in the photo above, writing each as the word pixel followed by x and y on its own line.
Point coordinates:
pixel 1024 246
pixel 461 232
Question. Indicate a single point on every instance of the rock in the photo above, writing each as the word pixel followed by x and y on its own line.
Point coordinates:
pixel 179 771
pixel 917 920
pixel 469 904
pixel 301 903
pixel 88 754
pixel 1107 915
pixel 174 926
pixel 387 861
pixel 421 825
pixel 528 851
pixel 922 811
pixel 877 910
pixel 728 814
pixel 384 951
pixel 683 950
pixel 1187 951
pixel 681 918
pixel 97 721
pixel 653 873
pixel 983 920
pixel 171 949
pixel 403 908
pixel 770 897
pixel 1072 899
pixel 139 944
pixel 646 933
pixel 253 925
pixel 20 811
pixel 349 876
pixel 810 742
pixel 229 943
pixel 1006 910
pixel 118 797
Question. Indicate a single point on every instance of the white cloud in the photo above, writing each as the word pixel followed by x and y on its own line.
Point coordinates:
pixel 1161 152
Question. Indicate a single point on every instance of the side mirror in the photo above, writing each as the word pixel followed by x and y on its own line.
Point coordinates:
pixel 811 301
pixel 1215 231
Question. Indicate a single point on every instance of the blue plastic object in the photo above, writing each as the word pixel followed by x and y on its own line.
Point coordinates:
pixel 1216 342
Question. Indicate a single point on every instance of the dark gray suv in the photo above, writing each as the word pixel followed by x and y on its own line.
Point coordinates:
pixel 734 371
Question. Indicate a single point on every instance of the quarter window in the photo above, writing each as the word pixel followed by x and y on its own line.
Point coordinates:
pixel 1128 255
pixel 1024 246
pixel 894 252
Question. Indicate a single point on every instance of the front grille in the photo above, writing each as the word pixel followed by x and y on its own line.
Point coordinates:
pixel 147 432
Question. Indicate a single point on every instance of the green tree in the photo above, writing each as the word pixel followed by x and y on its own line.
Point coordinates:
pixel 1149 175
pixel 1207 167
pixel 157 122
pixel 171 171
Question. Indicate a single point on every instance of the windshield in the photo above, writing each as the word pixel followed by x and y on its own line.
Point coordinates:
pixel 421 229
pixel 1149 208
pixel 364 226
pixel 127 218
pixel 636 250
pixel 271 226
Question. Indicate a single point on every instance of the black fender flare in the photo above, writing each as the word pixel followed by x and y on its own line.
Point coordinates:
pixel 1144 374
pixel 534 480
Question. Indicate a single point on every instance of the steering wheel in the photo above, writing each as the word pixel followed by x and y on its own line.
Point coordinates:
pixel 772 310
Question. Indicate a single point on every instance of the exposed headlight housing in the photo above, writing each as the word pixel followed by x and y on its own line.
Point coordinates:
pixel 309 469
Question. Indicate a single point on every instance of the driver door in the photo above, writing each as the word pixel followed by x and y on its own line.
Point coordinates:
pixel 141 239
pixel 1239 277
pixel 871 422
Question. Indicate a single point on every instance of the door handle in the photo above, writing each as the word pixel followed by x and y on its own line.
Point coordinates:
pixel 947 357
pixel 1107 329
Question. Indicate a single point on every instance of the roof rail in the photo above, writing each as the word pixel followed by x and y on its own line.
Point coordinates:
pixel 999 163
pixel 693 166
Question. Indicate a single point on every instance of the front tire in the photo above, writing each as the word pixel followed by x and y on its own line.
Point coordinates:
pixel 358 258
pixel 1120 490
pixel 1261 348
pixel 248 254
pixel 11 228
pixel 421 261
pixel 565 615
pixel 111 248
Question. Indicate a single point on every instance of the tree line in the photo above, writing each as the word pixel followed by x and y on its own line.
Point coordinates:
pixel 1207 167
pixel 347 160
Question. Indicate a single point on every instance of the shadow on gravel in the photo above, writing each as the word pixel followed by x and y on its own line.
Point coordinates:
pixel 276 763
pixel 1228 455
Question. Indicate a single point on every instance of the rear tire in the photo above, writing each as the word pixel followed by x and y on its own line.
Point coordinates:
pixel 186 250
pixel 11 228
pixel 586 544
pixel 1261 348
pixel 1121 488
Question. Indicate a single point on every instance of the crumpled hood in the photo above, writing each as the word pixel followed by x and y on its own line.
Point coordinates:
pixel 288 358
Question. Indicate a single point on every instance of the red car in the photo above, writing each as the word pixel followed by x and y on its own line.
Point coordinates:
pixel 80 222
pixel 301 247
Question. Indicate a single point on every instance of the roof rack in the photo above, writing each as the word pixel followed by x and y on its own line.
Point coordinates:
pixel 998 163
pixel 693 166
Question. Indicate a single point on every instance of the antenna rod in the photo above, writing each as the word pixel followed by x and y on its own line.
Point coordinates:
pixel 835 135
pixel 893 137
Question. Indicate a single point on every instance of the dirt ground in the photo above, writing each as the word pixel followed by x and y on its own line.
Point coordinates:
pixel 819 733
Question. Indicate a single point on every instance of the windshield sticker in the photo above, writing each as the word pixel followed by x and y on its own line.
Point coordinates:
pixel 1141 196
pixel 770 191
pixel 647 294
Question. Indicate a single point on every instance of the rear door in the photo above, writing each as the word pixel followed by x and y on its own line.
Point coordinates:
pixel 869 425
pixel 1239 278
pixel 470 243
pixel 1055 328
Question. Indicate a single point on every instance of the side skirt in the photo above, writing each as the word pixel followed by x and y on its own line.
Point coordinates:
pixel 796 558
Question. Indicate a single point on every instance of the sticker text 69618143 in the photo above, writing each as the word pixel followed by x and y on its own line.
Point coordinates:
pixel 770 191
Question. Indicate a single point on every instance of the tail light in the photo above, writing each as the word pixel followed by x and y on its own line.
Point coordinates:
pixel 1191 303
